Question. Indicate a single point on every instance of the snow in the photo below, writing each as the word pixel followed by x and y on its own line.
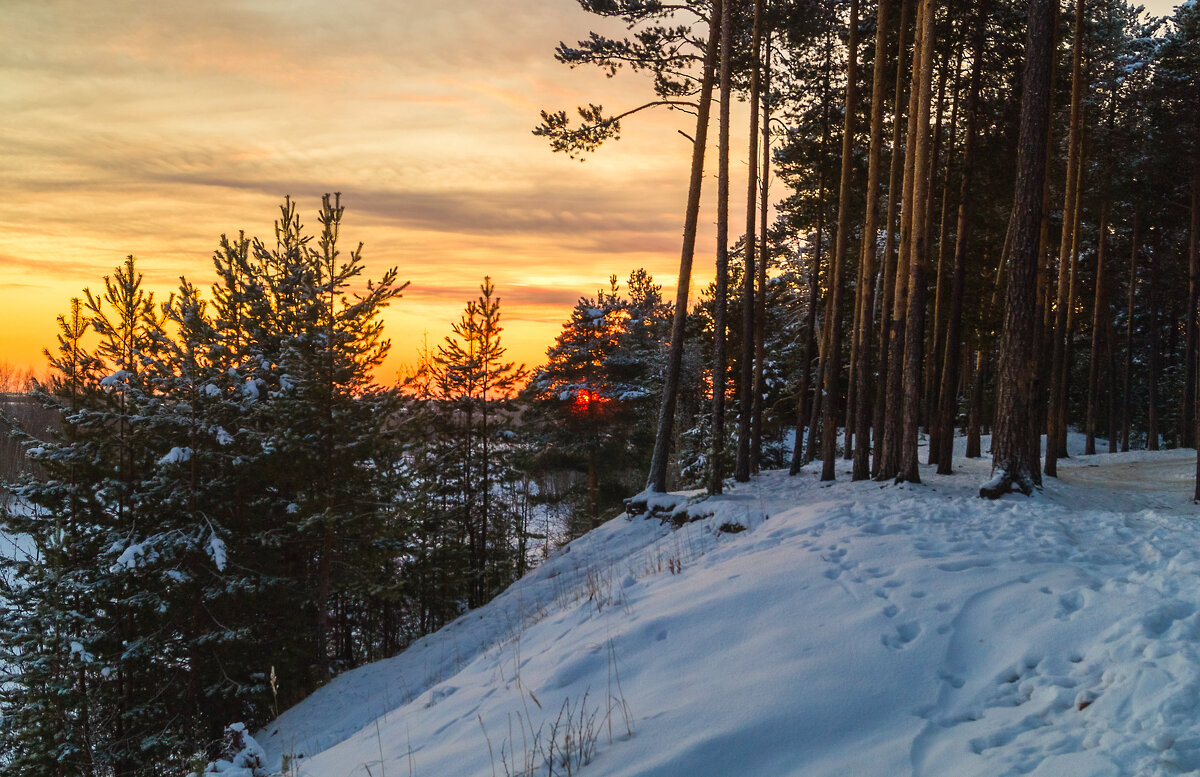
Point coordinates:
pixel 131 557
pixel 216 551
pixel 176 455
pixel 851 629
pixel 245 759
pixel 115 379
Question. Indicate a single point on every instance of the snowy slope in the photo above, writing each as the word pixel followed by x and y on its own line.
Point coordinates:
pixel 854 629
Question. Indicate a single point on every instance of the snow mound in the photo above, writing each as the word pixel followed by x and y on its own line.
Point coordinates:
pixel 857 628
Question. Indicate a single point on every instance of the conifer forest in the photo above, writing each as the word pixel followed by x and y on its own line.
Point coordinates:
pixel 941 220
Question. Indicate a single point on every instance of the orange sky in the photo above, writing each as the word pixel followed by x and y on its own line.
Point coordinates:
pixel 152 127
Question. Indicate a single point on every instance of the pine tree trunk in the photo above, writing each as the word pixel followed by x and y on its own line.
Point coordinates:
pixel 1114 431
pixel 948 395
pixel 1099 311
pixel 1154 332
pixel 746 385
pixel 1014 460
pixel 806 415
pixel 1190 417
pixel 889 463
pixel 764 255
pixel 716 473
pixel 810 342
pixel 883 397
pixel 657 480
pixel 1194 256
pixel 833 360
pixel 866 292
pixel 1127 374
pixel 939 167
pixel 1072 296
pixel 1058 365
pixel 915 326
pixel 975 409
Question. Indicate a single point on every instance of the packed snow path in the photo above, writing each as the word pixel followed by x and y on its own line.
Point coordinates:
pixel 853 629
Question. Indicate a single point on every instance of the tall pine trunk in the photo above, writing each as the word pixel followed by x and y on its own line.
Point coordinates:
pixel 764 252
pixel 866 292
pixel 1014 459
pixel 889 462
pixel 749 274
pixel 915 325
pixel 1058 365
pixel 883 398
pixel 716 474
pixel 806 414
pixel 657 480
pixel 1099 312
pixel 947 409
pixel 833 360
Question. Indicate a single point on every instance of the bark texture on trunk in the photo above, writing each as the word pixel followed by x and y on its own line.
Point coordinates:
pixel 866 292
pixel 764 252
pixel 889 461
pixel 883 398
pixel 746 385
pixel 914 345
pixel 1127 373
pixel 948 391
pixel 1099 313
pixel 833 361
pixel 1014 459
pixel 1058 368
pixel 716 474
pixel 657 480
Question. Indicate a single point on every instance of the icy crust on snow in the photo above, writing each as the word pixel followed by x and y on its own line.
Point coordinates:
pixel 860 629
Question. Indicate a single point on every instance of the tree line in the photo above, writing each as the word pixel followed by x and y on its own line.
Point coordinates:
pixel 219 507
pixel 990 210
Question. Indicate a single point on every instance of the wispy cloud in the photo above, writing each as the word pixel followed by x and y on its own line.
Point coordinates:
pixel 152 128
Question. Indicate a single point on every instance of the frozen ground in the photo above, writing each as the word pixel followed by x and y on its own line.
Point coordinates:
pixel 852 629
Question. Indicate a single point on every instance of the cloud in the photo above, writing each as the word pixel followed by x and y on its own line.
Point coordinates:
pixel 152 128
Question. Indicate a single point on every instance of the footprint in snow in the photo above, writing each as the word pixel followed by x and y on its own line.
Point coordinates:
pixel 1069 604
pixel 905 633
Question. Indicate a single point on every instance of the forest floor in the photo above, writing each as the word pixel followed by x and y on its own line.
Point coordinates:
pixel 850 629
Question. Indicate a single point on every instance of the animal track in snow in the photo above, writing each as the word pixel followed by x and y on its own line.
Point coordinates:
pixel 905 633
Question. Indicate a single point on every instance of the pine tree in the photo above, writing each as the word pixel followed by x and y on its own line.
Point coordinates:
pixel 1014 461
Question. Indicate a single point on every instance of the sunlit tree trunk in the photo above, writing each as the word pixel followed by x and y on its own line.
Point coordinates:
pixel 657 480
pixel 805 451
pixel 1058 368
pixel 866 292
pixel 889 463
pixel 721 291
pixel 833 361
pixel 746 385
pixel 764 255
pixel 915 325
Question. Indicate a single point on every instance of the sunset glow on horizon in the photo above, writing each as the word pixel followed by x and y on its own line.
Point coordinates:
pixel 152 129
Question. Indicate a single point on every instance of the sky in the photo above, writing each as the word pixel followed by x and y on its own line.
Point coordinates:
pixel 151 128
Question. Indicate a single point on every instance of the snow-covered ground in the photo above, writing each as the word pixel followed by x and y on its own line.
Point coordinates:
pixel 852 629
